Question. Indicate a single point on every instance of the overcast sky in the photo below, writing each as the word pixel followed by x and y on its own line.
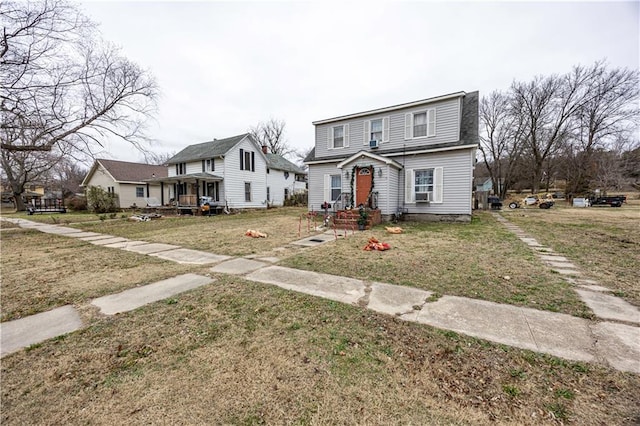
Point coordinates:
pixel 223 67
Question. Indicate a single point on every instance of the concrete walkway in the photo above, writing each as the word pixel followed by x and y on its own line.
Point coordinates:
pixel 616 344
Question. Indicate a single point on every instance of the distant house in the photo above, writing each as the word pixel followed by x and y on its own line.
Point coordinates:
pixel 416 159
pixel 129 181
pixel 234 172
pixel 283 178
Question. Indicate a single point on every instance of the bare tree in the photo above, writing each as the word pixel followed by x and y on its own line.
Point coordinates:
pixel 271 135
pixel 500 140
pixel 63 89
pixel 158 158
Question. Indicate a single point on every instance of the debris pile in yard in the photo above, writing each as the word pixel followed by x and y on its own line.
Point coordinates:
pixel 144 217
pixel 255 234
pixel 374 244
pixel 394 229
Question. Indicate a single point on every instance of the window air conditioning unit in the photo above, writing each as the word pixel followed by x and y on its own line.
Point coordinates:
pixel 423 197
pixel 373 143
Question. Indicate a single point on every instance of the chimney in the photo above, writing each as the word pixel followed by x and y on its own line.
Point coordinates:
pixel 264 149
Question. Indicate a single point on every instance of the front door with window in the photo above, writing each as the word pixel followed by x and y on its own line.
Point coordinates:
pixel 363 184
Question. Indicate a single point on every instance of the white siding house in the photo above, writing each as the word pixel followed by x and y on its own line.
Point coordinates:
pixel 128 181
pixel 416 159
pixel 233 173
pixel 283 179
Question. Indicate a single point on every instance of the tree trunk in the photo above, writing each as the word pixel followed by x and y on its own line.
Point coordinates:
pixel 19 203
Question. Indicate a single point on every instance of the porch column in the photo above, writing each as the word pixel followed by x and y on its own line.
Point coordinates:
pixel 197 193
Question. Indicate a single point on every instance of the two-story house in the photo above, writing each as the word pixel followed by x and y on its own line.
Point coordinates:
pixel 414 159
pixel 234 172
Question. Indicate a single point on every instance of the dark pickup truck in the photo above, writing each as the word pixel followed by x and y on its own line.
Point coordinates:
pixel 613 201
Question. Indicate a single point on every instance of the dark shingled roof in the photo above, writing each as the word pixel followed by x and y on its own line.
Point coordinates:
pixel 124 171
pixel 201 151
pixel 278 162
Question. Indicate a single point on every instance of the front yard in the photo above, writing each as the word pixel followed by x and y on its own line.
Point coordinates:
pixel 237 352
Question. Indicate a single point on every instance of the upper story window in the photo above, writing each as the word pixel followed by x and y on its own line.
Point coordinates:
pixel 247 160
pixel 338 136
pixel 376 130
pixel 181 169
pixel 210 166
pixel 420 124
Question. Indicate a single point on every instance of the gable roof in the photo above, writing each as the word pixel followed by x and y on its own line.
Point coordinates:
pixel 278 162
pixel 125 171
pixel 204 150
pixel 390 108
pixel 362 154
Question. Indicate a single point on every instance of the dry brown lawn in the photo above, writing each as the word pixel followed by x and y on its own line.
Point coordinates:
pixel 237 352
pixel 242 353
pixel 603 241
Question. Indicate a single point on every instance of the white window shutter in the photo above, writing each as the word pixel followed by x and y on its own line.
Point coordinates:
pixel 330 138
pixel 327 188
pixel 431 122
pixel 385 129
pixel 367 131
pixel 346 135
pixel 438 184
pixel 408 126
pixel 409 194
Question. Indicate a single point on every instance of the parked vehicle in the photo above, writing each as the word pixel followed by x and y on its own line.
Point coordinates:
pixel 532 200
pixel 494 202
pixel 613 201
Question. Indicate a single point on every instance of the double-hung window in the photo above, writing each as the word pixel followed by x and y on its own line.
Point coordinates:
pixel 139 192
pixel 423 181
pixel 247 191
pixel 424 185
pixel 247 160
pixel 420 124
pixel 376 130
pixel 181 169
pixel 338 136
pixel 336 186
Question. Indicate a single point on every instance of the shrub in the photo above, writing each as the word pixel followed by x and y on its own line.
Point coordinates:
pixel 77 203
pixel 100 201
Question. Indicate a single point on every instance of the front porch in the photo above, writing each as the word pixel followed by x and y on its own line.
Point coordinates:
pixel 348 219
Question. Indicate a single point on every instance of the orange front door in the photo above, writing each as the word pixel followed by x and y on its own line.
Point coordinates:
pixel 363 184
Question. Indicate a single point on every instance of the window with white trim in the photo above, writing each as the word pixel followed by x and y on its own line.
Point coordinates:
pixel 181 169
pixel 139 192
pixel 424 185
pixel 376 130
pixel 336 186
pixel 420 124
pixel 247 191
pixel 338 136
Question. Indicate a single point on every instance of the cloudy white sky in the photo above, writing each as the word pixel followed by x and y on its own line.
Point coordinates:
pixel 224 66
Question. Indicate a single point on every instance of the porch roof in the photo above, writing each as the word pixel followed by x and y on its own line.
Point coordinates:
pixel 371 155
pixel 191 178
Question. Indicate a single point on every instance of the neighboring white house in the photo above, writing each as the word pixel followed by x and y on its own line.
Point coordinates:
pixel 129 181
pixel 283 178
pixel 234 172
pixel 415 158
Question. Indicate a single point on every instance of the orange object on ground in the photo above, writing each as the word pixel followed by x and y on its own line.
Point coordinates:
pixel 374 244
pixel 255 234
pixel 394 229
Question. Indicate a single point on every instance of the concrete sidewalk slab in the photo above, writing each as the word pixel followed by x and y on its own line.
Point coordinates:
pixel 150 248
pixel 124 244
pixel 21 333
pixel 83 234
pixel 606 306
pixel 97 237
pixel 592 287
pixel 188 256
pixel 58 230
pixel 563 271
pixel 129 300
pixel 619 344
pixel 553 258
pixel 340 289
pixel 561 265
pixel 105 241
pixel 239 266
pixel 396 300
pixel 487 320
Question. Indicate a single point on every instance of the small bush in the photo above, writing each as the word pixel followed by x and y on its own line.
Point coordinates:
pixel 100 201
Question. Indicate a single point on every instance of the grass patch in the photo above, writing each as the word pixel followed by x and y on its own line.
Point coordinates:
pixel 258 354
pixel 603 242
pixel 480 260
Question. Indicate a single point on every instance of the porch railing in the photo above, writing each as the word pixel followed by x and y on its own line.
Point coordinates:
pixel 342 202
pixel 187 200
